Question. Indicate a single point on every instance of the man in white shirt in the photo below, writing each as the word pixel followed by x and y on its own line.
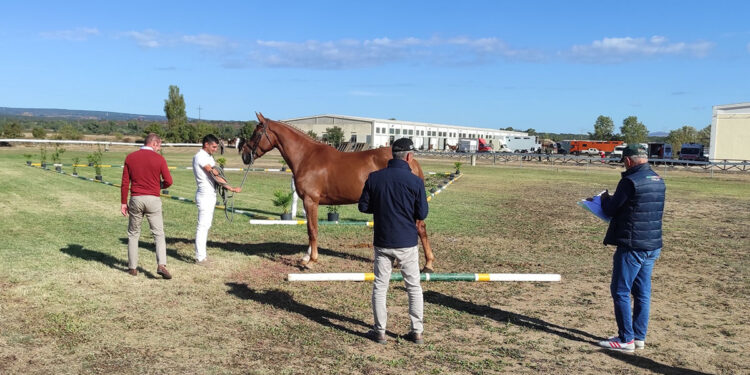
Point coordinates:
pixel 206 178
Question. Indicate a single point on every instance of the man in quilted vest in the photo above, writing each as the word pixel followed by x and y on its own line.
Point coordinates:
pixel 636 210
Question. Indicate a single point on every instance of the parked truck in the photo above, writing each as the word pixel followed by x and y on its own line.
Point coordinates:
pixel 467 145
pixel 578 147
pixel 693 152
pixel 659 150
pixel 523 143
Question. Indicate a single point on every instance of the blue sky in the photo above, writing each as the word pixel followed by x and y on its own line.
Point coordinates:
pixel 552 66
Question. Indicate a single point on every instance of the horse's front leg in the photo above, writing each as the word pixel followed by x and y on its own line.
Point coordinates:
pixel 428 257
pixel 311 207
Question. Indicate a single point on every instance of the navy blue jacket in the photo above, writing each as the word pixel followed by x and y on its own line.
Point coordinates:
pixel 636 209
pixel 396 198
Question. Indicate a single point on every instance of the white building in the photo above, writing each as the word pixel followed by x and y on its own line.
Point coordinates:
pixel 730 132
pixel 381 132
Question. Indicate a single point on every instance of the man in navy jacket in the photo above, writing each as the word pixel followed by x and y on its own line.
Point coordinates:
pixel 636 210
pixel 396 198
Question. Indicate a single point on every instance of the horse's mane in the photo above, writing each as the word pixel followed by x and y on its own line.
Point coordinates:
pixel 304 134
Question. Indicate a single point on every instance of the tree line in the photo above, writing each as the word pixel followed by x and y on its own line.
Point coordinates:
pixel 634 131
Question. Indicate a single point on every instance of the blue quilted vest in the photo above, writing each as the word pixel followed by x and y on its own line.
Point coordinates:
pixel 637 225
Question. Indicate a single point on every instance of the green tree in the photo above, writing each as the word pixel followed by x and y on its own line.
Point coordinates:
pixel 67 131
pixel 604 129
pixel 334 136
pixel 203 129
pixel 39 133
pixel 178 129
pixel 685 134
pixel 704 135
pixel 225 132
pixel 531 131
pixel 312 134
pixel 12 130
pixel 248 129
pixel 155 128
pixel 633 131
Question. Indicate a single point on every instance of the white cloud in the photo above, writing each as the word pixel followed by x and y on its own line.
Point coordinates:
pixel 350 53
pixel 76 35
pixel 154 39
pixel 615 50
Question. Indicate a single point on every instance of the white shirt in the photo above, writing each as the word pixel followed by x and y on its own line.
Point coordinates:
pixel 206 184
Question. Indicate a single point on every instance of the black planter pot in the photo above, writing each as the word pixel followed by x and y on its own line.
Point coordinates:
pixel 75 174
pixel 98 177
pixel 286 216
pixel 28 162
pixel 91 164
pixel 452 176
pixel 458 172
pixel 58 168
pixel 333 216
pixel 433 190
pixel 165 191
pixel 44 165
pixel 283 169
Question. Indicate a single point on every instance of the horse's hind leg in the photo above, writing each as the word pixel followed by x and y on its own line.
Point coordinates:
pixel 428 257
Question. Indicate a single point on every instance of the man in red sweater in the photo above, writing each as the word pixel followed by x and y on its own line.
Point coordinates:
pixel 145 173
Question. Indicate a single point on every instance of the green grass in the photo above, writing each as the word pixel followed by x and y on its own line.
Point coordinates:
pixel 67 305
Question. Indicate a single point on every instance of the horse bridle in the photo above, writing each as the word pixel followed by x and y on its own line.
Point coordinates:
pixel 228 199
pixel 264 131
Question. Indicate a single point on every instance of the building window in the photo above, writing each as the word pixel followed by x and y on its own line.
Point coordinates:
pixel 390 131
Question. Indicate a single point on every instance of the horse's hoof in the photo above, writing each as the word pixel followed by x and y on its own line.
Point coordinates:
pixel 427 269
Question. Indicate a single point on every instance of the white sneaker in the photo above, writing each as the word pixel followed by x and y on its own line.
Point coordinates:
pixel 614 343
pixel 639 344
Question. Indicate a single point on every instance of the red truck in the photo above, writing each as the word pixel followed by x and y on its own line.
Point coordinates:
pixel 578 147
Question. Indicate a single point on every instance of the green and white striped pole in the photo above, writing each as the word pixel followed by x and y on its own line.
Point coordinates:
pixel 540 277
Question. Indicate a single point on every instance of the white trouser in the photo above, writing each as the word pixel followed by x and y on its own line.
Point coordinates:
pixel 206 204
pixel 295 197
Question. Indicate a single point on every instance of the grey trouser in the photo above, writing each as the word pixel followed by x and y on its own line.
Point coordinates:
pixel 150 206
pixel 408 257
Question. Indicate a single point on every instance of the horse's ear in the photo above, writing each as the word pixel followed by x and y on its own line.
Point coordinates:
pixel 260 117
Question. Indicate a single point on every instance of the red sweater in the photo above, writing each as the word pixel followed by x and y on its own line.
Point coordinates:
pixel 143 173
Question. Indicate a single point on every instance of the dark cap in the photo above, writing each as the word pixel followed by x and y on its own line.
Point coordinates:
pixel 634 150
pixel 403 144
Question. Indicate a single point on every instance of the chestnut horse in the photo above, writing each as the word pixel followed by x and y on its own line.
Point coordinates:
pixel 322 174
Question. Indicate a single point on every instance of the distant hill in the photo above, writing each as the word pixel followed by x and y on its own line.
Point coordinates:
pixel 658 134
pixel 75 114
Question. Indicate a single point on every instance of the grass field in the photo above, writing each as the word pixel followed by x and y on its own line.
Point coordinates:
pixel 67 306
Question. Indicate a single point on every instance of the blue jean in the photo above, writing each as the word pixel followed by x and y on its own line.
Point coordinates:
pixel 631 273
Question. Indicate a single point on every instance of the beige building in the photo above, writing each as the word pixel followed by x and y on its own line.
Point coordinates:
pixel 730 132
pixel 380 132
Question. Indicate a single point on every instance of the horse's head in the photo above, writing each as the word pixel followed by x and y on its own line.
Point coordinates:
pixel 258 144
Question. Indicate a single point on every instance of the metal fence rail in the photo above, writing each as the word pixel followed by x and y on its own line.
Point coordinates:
pixel 583 160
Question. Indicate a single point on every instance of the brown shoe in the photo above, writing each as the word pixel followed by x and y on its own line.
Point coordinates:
pixel 133 271
pixel 377 336
pixel 414 337
pixel 162 270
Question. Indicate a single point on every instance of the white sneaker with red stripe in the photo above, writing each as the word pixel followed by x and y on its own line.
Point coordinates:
pixel 640 344
pixel 614 343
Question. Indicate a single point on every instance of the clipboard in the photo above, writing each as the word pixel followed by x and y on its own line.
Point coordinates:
pixel 595 206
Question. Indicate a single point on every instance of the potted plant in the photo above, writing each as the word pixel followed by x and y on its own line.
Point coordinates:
pixel 222 162
pixel 458 165
pixel 283 200
pixel 43 156
pixel 90 158
pixel 56 156
pixel 28 158
pixel 76 160
pixel 333 212
pixel 96 158
pixel 283 165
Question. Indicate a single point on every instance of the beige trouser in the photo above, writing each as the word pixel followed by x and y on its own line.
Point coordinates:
pixel 150 206
pixel 408 257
